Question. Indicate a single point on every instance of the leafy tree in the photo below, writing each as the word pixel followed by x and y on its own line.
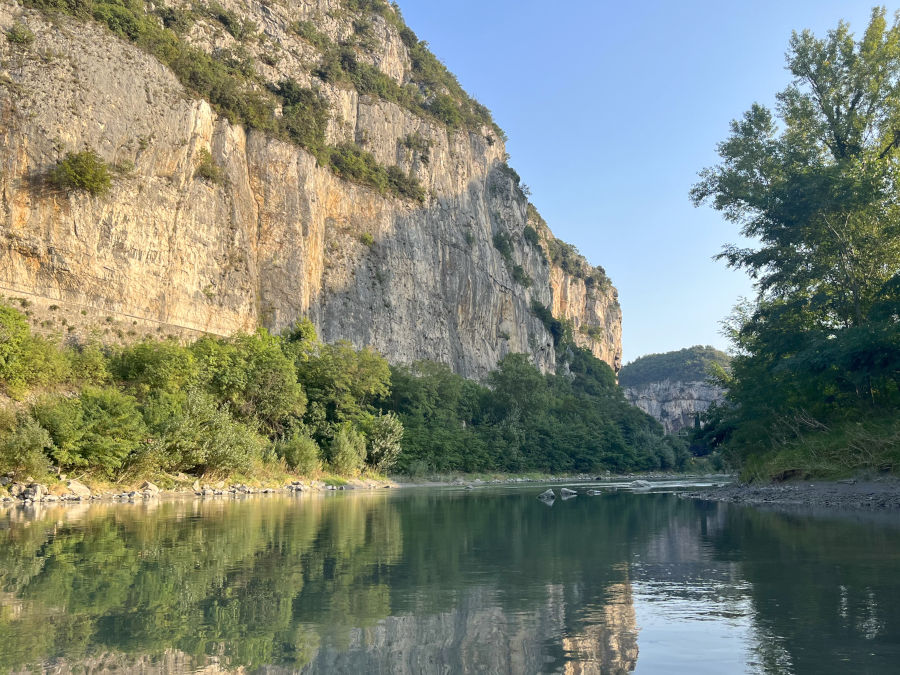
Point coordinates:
pixel 816 185
pixel 84 170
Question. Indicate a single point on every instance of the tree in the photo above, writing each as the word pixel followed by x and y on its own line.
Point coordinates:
pixel 817 185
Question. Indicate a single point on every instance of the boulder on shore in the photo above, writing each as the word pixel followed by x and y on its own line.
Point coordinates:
pixel 77 488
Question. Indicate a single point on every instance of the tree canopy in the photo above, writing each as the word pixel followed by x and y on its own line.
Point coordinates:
pixel 815 184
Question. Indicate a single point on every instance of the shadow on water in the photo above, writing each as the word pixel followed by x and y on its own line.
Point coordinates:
pixel 426 581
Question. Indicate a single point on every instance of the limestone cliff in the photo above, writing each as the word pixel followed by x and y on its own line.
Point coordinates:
pixel 278 235
pixel 674 404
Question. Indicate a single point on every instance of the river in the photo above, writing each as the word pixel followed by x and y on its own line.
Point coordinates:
pixel 448 580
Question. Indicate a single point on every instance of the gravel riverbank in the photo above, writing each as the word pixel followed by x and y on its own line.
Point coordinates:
pixel 879 494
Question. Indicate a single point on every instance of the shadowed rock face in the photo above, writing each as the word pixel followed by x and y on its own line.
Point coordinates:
pixel 674 404
pixel 165 252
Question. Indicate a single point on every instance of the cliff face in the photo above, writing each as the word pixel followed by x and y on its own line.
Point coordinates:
pixel 279 237
pixel 674 404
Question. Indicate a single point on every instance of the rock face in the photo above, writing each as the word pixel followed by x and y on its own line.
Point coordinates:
pixel 166 252
pixel 674 404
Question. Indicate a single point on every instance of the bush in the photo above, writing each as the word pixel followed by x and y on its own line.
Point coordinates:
pixel 207 169
pixel 84 170
pixel 156 366
pixel 253 374
pixel 63 418
pixel 20 34
pixel 26 360
pixel 383 435
pixel 348 450
pixel 301 453
pixel 531 236
pixel 194 434
pixel 88 364
pixel 112 429
pixel 23 450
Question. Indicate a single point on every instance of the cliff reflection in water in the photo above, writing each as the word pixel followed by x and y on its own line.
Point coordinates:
pixel 481 581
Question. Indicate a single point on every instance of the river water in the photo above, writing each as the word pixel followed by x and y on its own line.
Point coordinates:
pixel 448 580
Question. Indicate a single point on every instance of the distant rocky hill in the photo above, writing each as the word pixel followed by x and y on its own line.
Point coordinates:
pixel 674 387
pixel 179 167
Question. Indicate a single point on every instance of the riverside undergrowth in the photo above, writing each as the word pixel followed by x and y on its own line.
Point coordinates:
pixel 261 407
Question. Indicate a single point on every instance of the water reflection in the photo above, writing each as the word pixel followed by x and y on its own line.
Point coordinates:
pixel 418 582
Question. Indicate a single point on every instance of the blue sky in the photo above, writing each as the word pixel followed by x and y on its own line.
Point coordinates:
pixel 611 110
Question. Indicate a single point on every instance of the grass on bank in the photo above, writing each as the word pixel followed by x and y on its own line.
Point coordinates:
pixel 862 447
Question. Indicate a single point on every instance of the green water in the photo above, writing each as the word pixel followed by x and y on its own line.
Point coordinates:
pixel 447 581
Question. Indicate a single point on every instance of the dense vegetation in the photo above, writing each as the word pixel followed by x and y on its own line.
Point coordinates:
pixel 693 364
pixel 815 386
pixel 262 404
pixel 521 420
pixel 248 404
pixel 228 79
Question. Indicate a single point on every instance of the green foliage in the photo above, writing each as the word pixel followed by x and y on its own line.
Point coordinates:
pixel 88 364
pixel 304 116
pixel 155 366
pixel 110 431
pixel 816 184
pixel 207 169
pixel 531 236
pixel 559 329
pixel 20 34
pixel 23 448
pixel 347 453
pixel 352 163
pixel 524 421
pixel 26 360
pixel 383 433
pixel 84 170
pixel 240 29
pixel 253 374
pixel 692 364
pixel 193 433
pixel 308 31
pixel 340 382
pixel 300 452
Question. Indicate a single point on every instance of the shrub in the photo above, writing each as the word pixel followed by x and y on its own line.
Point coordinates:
pixel 112 430
pixel 194 434
pixel 207 169
pixel 300 452
pixel 26 360
pixel 20 34
pixel 305 115
pixel 531 236
pixel 23 450
pixel 348 450
pixel 84 170
pixel 367 239
pixel 308 31
pixel 521 276
pixel 254 375
pixel 155 366
pixel 88 364
pixel 383 435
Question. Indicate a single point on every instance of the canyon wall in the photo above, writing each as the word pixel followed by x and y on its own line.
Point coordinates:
pixel 278 236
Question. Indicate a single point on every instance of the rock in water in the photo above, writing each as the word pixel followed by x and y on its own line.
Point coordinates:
pixel 566 492
pixel 547 495
pixel 641 485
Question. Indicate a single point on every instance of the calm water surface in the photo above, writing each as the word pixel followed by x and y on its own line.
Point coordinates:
pixel 447 581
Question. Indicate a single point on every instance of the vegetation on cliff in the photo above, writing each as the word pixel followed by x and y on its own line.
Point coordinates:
pixel 815 386
pixel 258 404
pixel 692 364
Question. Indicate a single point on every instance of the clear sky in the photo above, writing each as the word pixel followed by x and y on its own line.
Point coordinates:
pixel 611 110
